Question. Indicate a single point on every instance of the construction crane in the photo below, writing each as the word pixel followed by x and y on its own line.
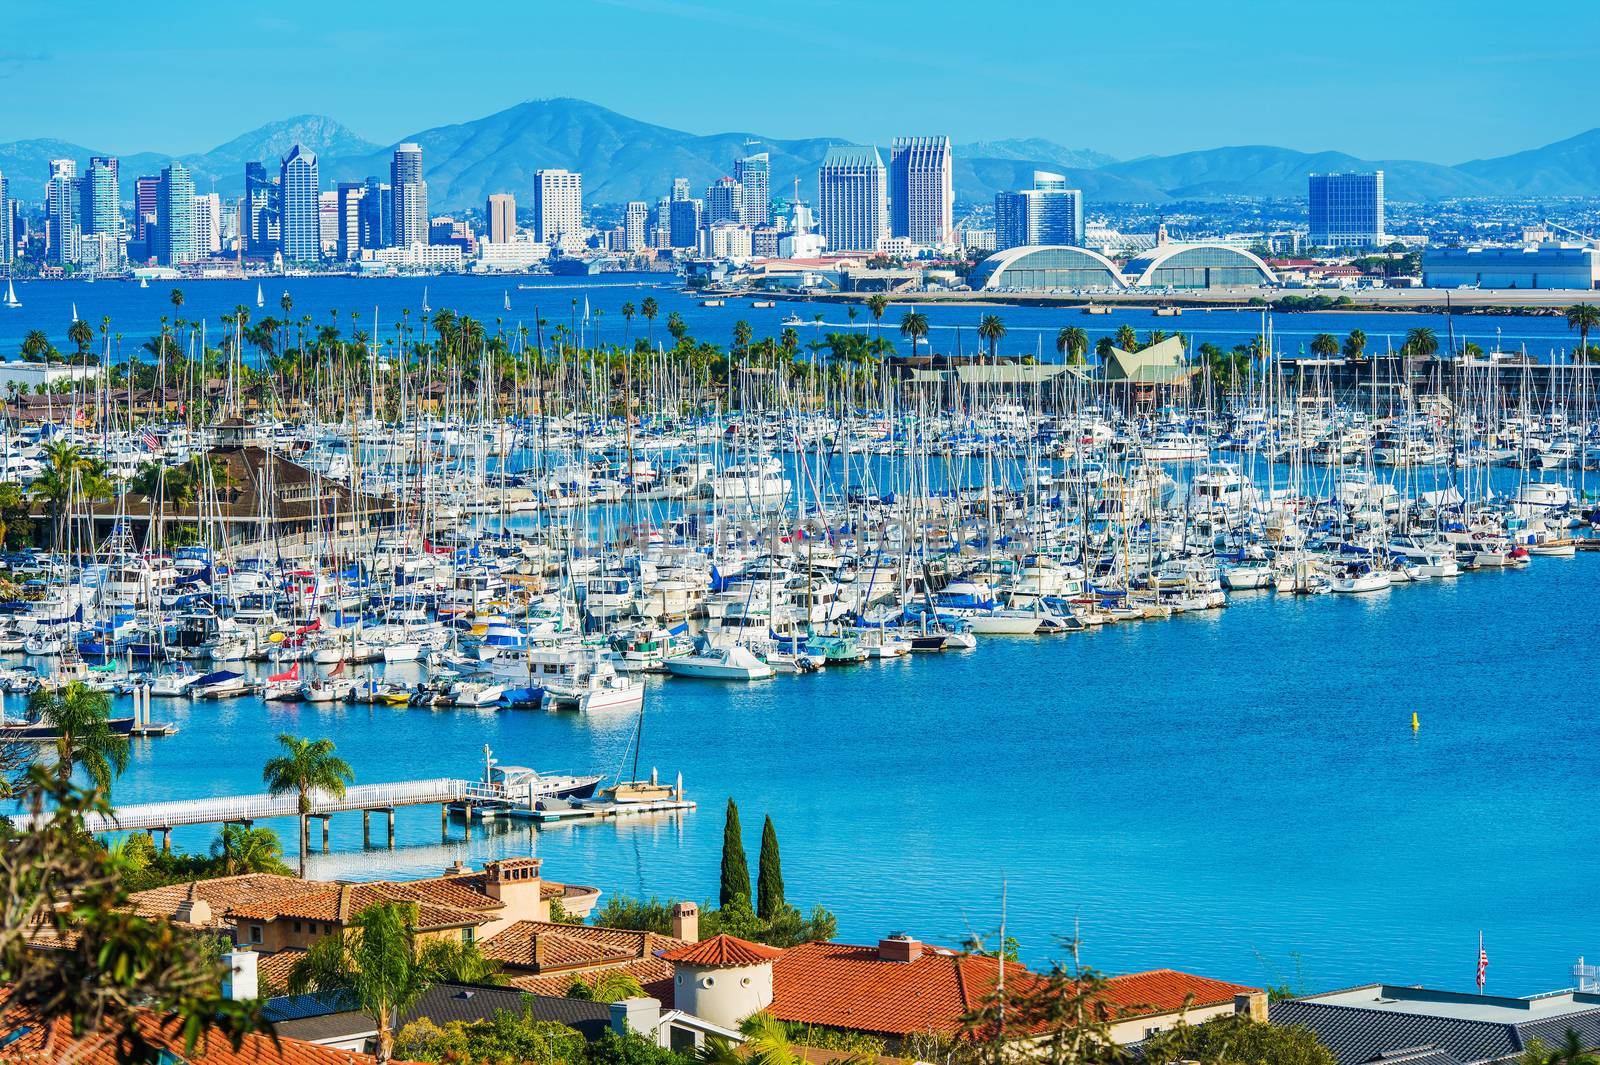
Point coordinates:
pixel 1586 238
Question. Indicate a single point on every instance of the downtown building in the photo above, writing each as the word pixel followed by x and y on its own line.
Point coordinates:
pixel 501 211
pixel 62 212
pixel 754 175
pixel 349 208
pixel 174 243
pixel 410 191
pixel 1346 210
pixel 635 226
pixel 921 191
pixel 853 197
pixel 300 207
pixel 558 208
pixel 258 212
pixel 8 236
pixel 1047 214
pixel 724 201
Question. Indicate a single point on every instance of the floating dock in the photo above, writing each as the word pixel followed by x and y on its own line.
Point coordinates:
pixel 557 810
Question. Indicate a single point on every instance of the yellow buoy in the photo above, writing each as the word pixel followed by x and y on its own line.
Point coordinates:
pixel 1415 724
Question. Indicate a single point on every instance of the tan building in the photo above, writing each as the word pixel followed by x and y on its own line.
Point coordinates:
pixel 502 213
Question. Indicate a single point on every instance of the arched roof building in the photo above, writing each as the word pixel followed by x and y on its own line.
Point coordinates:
pixel 1043 267
pixel 1191 266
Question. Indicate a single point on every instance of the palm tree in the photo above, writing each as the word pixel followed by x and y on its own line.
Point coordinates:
pixel 1072 342
pixel 248 850
pixel 1585 318
pixel 69 474
pixel 81 333
pixel 35 345
pixel 1127 339
pixel 372 965
pixel 914 326
pixel 306 766
pixel 649 308
pixel 1324 345
pixel 1355 345
pixel 1571 1051
pixel 80 717
pixel 1421 343
pixel 455 962
pixel 991 329
pixel 877 304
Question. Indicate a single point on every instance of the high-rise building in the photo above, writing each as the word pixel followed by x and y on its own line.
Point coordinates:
pixel 207 224
pixel 853 194
pixel 502 213
pixel 351 201
pixel 101 212
pixel 683 224
pixel 62 203
pixel 680 189
pixel 260 211
pixel 634 226
pixel 8 239
pixel 1048 213
pixel 299 207
pixel 145 192
pixel 174 232
pixel 921 197
pixel 410 196
pixel 754 175
pixel 377 215
pixel 724 201
pixel 558 206
pixel 1347 210
pixel 328 223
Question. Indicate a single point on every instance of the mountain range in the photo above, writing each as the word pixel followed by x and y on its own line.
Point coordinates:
pixel 622 158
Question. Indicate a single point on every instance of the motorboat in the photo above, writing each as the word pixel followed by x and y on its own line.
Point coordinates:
pixel 732 662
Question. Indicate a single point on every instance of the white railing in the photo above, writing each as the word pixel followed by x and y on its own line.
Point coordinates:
pixel 261 807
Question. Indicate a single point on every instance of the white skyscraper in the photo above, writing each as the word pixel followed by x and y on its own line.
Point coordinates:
pixel 207 223
pixel 1047 214
pixel 410 196
pixel 921 197
pixel 754 175
pixel 558 207
pixel 300 206
pixel 634 237
pixel 61 209
pixel 853 195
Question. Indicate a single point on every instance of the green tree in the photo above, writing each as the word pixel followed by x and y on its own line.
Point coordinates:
pixel 129 986
pixel 1072 343
pixel 640 915
pixel 1355 344
pixel 238 849
pixel 1236 1039
pixel 70 475
pixel 1058 1016
pixel 735 868
pixel 1324 345
pixel 611 985
pixel 16 530
pixel 914 327
pixel 1127 339
pixel 649 308
pixel 455 962
pixel 992 330
pixel 769 874
pixel 1585 318
pixel 371 965
pixel 81 333
pixel 304 767
pixel 35 346
pixel 1421 343
pixel 1571 1051
pixel 80 717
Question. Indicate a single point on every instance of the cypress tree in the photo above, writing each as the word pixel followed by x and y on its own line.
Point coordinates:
pixel 735 868
pixel 769 875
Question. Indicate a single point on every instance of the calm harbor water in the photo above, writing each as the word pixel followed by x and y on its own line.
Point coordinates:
pixel 136 313
pixel 1238 793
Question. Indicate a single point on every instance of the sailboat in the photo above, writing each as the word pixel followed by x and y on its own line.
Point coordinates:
pixel 11 295
pixel 425 308
pixel 260 300
pixel 74 310
pixel 144 282
pixel 508 299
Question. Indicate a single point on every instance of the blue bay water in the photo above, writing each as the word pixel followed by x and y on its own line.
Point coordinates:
pixel 1238 793
pixel 137 313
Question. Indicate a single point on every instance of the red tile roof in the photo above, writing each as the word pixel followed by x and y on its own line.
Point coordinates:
pixel 844 986
pixel 723 950
pixel 1165 990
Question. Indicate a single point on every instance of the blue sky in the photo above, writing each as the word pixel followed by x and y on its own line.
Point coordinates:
pixel 1426 79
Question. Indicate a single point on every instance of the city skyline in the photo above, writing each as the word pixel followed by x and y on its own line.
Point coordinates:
pixel 1260 87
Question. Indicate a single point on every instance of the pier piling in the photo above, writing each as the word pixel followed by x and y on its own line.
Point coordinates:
pixel 366 828
pixel 444 821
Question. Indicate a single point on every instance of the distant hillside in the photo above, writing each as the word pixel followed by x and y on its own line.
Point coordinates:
pixel 622 158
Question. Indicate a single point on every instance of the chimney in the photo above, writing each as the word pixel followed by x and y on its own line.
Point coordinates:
pixel 241 982
pixel 456 868
pixel 686 922
pixel 899 947
pixel 515 882
pixel 194 911
pixel 639 1015
pixel 539 952
pixel 1252 1004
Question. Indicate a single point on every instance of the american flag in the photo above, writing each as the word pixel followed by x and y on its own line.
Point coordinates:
pixel 1483 963
pixel 150 442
